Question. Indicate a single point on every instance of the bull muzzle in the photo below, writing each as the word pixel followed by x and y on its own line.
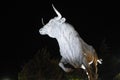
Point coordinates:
pixel 41 31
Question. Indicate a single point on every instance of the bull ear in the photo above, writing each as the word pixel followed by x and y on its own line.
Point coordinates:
pixel 62 20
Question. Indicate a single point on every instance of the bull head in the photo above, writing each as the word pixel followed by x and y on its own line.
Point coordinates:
pixel 51 28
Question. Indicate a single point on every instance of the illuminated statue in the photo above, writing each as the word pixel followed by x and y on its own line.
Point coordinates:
pixel 73 49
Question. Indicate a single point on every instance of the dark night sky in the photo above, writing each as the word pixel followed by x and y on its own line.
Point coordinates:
pixel 22 20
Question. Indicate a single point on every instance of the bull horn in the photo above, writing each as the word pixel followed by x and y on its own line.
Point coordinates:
pixel 42 21
pixel 58 13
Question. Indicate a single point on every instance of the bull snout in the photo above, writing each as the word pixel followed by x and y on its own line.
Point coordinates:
pixel 41 31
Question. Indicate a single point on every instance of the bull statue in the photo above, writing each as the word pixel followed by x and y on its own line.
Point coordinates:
pixel 73 49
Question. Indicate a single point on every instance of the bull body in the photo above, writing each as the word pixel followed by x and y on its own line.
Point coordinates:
pixel 72 48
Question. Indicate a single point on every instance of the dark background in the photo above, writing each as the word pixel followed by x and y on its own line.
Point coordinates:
pixel 21 21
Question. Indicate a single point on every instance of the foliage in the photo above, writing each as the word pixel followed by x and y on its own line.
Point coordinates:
pixel 117 77
pixel 41 67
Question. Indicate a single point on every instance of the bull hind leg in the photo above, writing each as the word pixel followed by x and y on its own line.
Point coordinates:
pixel 61 64
pixel 95 63
pixel 95 70
pixel 87 68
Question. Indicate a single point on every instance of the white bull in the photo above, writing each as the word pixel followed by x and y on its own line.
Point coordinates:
pixel 73 49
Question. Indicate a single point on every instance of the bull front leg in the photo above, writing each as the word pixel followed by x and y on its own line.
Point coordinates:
pixel 61 64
